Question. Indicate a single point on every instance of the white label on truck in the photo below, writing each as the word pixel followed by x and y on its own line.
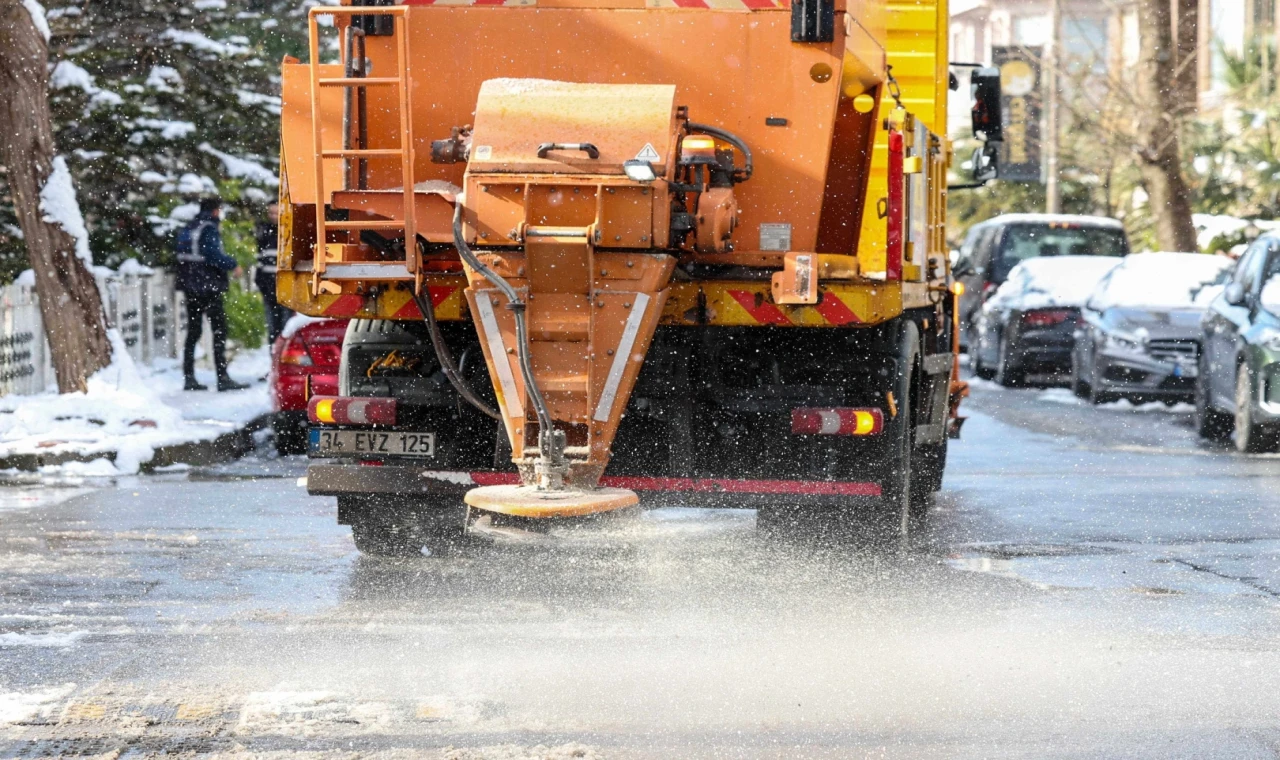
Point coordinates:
pixel 483 152
pixel 647 153
pixel 775 237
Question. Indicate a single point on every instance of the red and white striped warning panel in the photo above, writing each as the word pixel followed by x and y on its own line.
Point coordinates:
pixel 681 485
pixel 750 5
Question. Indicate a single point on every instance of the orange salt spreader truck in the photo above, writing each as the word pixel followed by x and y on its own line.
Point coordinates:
pixel 602 252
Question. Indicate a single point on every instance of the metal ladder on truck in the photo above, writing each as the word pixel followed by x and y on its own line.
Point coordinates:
pixel 329 262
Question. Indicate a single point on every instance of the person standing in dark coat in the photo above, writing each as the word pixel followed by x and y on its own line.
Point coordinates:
pixel 267 233
pixel 203 265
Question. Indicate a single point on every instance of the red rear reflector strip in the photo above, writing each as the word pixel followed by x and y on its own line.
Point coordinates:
pixel 836 421
pixel 699 485
pixel 339 410
pixel 895 209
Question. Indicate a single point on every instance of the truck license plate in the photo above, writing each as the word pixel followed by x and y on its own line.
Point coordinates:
pixel 354 442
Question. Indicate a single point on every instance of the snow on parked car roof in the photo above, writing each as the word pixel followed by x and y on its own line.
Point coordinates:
pixel 1050 281
pixel 1162 280
pixel 1269 298
pixel 299 321
pixel 1096 221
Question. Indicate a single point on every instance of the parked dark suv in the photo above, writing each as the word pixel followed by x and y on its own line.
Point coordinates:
pixel 993 248
pixel 1238 383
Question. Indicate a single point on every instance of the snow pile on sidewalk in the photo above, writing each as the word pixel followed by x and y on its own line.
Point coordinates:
pixel 128 412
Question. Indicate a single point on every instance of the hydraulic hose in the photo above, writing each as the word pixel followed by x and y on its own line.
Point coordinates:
pixel 729 137
pixel 445 358
pixel 546 431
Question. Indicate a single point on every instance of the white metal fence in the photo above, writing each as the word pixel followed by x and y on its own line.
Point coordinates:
pixel 145 306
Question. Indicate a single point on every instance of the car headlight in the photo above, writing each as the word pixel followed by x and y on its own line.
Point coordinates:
pixel 1125 342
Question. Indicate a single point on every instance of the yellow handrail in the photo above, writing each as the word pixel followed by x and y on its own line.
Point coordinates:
pixel 406 151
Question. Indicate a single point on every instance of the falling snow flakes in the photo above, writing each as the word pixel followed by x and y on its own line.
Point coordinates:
pixel 58 202
pixel 242 168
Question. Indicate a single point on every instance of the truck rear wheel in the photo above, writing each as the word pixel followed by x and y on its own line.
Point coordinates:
pixel 400 529
pixel 931 461
pixel 892 519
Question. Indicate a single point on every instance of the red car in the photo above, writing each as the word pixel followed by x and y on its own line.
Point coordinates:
pixel 304 363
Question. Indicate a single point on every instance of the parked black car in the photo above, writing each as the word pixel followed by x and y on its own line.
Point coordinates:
pixel 993 248
pixel 1028 325
pixel 1139 333
pixel 1239 381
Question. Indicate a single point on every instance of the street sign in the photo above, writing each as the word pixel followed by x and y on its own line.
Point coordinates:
pixel 1020 100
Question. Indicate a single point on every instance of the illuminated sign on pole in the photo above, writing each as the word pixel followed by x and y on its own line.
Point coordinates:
pixel 1020 100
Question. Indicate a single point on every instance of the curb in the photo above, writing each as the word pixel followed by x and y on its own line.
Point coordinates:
pixel 226 447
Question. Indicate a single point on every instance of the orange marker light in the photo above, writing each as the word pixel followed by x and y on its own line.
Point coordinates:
pixel 957 288
pixel 697 149
pixel 324 410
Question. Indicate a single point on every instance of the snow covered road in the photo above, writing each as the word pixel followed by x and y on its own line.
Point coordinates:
pixel 1091 583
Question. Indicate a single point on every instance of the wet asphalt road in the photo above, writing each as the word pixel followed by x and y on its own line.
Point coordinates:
pixel 1091 583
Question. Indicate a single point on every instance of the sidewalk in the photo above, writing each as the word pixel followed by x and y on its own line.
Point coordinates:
pixel 135 419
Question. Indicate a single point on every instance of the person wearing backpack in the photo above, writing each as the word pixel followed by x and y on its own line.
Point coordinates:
pixel 266 232
pixel 203 265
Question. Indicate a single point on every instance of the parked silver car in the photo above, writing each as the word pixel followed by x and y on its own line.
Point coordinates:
pixel 1027 326
pixel 1139 333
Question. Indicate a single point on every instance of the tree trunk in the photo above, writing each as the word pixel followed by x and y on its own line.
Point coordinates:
pixel 1159 153
pixel 1186 70
pixel 69 301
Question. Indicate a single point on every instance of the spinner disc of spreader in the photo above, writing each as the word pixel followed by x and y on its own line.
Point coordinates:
pixel 528 501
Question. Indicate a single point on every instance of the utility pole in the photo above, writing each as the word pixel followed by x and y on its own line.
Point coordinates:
pixel 1052 195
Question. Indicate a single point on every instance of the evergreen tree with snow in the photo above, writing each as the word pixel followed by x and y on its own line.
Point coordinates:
pixel 156 102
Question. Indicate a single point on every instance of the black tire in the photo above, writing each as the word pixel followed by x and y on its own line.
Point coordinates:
pixel 379 539
pixel 1097 397
pixel 1079 386
pixel 891 521
pixel 401 530
pixel 290 434
pixel 1250 437
pixel 975 360
pixel 1006 374
pixel 927 470
pixel 1096 394
pixel 1211 424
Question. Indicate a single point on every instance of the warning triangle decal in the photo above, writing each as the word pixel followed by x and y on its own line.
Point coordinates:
pixel 647 153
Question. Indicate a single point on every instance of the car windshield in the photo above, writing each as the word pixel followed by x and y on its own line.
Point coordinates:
pixel 1160 280
pixel 1023 242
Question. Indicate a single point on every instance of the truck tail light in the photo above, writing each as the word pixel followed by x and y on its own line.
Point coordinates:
pixel 295 353
pixel 894 209
pixel 343 410
pixel 325 353
pixel 1045 317
pixel 836 421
